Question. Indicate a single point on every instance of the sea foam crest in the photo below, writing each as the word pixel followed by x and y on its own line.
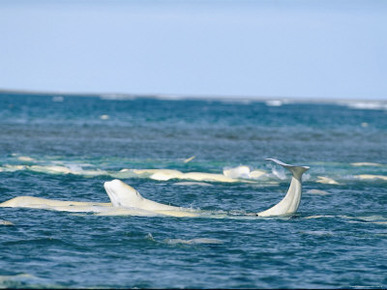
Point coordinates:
pixel 366 105
pixel 194 241
pixel 117 97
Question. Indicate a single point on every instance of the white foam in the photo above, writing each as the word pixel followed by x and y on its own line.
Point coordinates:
pixel 58 99
pixel 242 172
pixel 256 174
pixel 320 216
pixel 274 103
pixel 4 278
pixel 12 168
pixel 104 117
pixel 170 97
pixel 326 180
pixel 26 159
pixel 317 192
pixel 117 97
pixel 74 167
pixel 366 105
pixel 193 241
pixel 371 177
pixel 189 183
pixel 279 173
pixel 306 177
pixel 6 223
pixel 237 172
pixel 318 233
pixel 358 164
pixel 375 219
pixel 150 237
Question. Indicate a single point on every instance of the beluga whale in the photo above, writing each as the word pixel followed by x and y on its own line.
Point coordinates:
pixel 125 200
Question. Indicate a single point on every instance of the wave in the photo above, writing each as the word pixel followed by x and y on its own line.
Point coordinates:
pixel 375 219
pixel 371 177
pixel 195 241
pixel 365 105
pixel 317 192
pixel 192 183
pixel 360 164
pixel 118 97
pixel 6 223
pixel 18 281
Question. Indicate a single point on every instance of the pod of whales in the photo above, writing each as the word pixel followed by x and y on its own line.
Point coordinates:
pixel 125 200
pixel 229 175
pixel 168 174
pixel 367 171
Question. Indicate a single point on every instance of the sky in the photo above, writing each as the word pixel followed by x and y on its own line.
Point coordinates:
pixel 271 48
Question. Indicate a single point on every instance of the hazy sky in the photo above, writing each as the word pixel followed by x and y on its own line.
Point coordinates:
pixel 273 48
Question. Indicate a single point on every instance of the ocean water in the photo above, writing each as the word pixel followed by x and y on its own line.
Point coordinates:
pixel 65 147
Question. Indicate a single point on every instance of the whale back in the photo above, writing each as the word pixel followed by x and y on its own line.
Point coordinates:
pixel 204 176
pixel 123 195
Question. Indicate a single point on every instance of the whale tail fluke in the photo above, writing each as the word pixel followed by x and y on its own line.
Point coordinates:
pixel 296 170
pixel 290 203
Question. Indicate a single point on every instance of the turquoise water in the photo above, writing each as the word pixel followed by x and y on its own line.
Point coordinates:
pixel 66 147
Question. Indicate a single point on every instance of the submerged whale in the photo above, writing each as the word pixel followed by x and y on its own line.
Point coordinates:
pixel 125 200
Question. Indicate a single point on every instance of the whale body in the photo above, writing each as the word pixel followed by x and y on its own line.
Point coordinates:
pixel 228 176
pixel 125 200
pixel 124 196
pixel 53 204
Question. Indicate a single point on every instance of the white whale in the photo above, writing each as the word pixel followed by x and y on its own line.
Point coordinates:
pixel 168 174
pixel 125 200
pixel 53 204
pixel 371 176
pixel 229 175
pixel 123 195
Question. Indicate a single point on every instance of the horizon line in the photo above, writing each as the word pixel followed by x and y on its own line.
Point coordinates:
pixel 173 96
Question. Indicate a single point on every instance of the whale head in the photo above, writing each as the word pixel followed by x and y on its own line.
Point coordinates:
pixel 121 194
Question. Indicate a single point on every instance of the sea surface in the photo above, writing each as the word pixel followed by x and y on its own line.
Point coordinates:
pixel 66 146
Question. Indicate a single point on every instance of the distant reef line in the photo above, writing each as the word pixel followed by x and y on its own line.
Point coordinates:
pixel 129 96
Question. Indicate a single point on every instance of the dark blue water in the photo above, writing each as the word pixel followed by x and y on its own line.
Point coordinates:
pixel 336 240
